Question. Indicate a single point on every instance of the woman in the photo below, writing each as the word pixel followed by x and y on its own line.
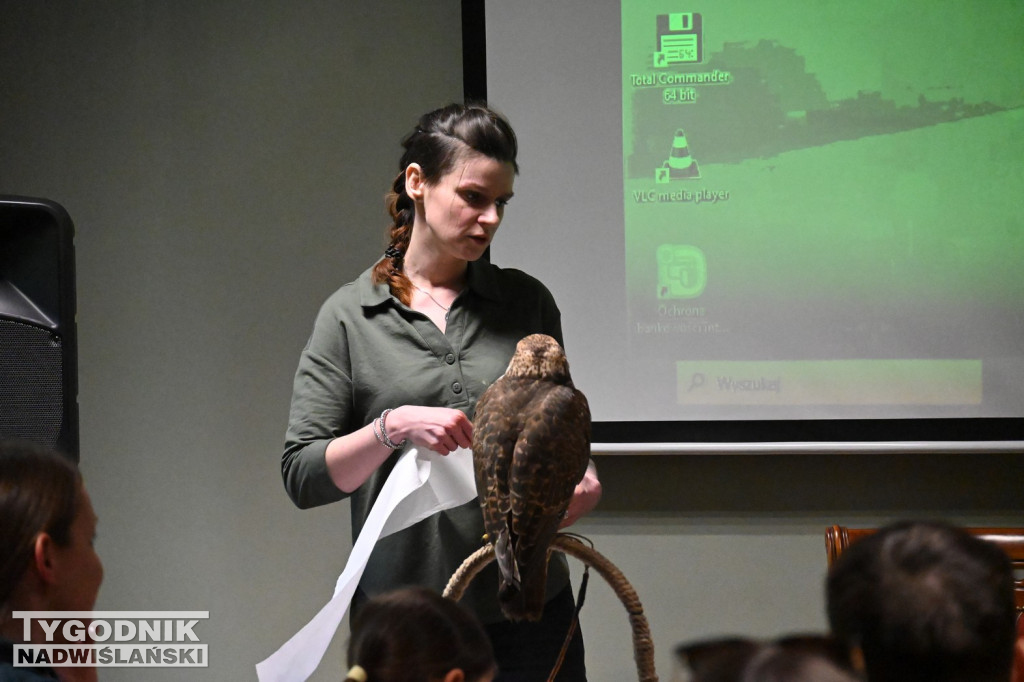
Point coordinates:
pixel 47 560
pixel 402 354
pixel 413 634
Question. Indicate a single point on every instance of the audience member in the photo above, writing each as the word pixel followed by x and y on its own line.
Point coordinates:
pixel 47 560
pixel 925 601
pixel 413 634
pixel 807 658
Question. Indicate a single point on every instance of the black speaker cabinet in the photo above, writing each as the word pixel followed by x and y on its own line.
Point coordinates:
pixel 38 343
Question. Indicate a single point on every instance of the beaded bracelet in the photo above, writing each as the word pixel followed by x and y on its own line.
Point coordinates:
pixel 376 432
pixel 384 432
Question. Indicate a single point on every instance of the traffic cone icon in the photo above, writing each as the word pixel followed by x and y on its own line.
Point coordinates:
pixel 680 164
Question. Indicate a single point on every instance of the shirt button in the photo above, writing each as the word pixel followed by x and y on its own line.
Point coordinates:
pixel 457 387
pixel 450 358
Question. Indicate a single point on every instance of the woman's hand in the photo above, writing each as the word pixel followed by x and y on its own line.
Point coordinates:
pixel 440 429
pixel 352 458
pixel 584 498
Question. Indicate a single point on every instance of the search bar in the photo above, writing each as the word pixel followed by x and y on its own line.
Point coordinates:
pixel 830 382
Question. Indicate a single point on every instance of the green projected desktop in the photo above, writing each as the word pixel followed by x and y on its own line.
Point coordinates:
pixel 763 218
pixel 823 203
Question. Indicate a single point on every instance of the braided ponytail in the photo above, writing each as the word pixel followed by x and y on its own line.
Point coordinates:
pixel 390 268
pixel 442 137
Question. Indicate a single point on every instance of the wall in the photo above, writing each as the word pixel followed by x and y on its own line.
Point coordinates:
pixel 225 164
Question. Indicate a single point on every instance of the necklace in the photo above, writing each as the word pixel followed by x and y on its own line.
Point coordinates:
pixel 446 310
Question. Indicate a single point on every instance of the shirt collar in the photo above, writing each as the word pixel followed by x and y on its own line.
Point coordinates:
pixel 370 294
pixel 481 279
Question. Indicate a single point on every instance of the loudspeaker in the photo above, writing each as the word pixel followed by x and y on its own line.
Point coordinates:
pixel 38 341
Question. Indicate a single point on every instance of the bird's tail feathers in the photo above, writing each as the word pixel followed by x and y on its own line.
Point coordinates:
pixel 504 554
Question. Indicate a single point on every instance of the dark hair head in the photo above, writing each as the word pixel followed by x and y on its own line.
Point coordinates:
pixel 415 635
pixel 925 601
pixel 39 493
pixel 441 139
pixel 803 658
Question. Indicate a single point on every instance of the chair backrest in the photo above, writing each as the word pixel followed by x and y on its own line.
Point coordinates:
pixel 838 538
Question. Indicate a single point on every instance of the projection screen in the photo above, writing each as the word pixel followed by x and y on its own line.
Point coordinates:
pixel 778 225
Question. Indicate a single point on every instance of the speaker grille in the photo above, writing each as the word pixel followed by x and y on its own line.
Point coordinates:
pixel 31 388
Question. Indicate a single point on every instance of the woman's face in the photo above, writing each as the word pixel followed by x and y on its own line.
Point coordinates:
pixel 80 571
pixel 459 215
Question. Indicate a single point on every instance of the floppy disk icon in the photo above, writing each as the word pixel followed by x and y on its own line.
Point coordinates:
pixel 680 39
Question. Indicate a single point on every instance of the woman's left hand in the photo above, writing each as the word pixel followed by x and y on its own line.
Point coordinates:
pixel 584 498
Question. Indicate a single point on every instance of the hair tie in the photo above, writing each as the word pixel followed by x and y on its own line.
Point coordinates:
pixel 392 252
pixel 356 673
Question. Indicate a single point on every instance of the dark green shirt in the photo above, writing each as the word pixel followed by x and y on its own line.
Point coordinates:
pixel 369 352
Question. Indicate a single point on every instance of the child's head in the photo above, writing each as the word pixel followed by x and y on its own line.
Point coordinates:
pixel 415 635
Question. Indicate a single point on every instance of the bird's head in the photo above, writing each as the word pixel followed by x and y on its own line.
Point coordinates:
pixel 538 356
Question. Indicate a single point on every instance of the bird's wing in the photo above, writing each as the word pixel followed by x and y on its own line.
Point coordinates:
pixel 550 458
pixel 494 434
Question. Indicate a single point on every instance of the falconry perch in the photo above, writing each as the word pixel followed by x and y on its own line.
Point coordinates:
pixel 531 446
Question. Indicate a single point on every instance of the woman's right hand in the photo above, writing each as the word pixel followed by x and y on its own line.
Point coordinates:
pixel 440 429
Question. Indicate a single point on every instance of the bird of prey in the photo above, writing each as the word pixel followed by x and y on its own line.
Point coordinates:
pixel 531 446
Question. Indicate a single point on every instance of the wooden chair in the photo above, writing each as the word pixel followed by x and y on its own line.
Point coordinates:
pixel 838 538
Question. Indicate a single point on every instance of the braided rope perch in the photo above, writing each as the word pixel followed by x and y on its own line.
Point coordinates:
pixel 643 646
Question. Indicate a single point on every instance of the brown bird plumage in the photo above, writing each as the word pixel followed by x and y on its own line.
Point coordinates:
pixel 531 445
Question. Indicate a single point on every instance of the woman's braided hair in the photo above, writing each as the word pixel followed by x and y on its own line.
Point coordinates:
pixel 440 139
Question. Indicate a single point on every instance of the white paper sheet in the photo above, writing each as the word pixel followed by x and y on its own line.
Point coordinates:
pixel 421 484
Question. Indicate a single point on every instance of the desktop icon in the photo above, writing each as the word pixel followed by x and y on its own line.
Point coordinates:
pixel 682 271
